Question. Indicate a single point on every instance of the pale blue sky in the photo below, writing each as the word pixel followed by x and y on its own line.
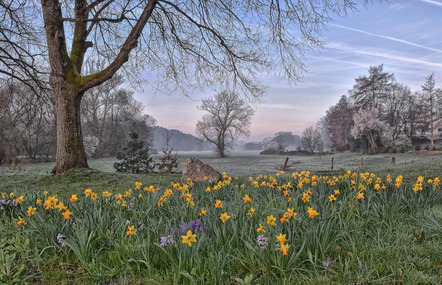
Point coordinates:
pixel 405 35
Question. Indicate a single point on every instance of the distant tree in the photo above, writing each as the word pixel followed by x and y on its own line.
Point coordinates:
pixel 370 91
pixel 253 146
pixel 286 139
pixel 339 119
pixel 395 110
pixel 274 146
pixel 431 104
pixel 228 119
pixel 324 129
pixel 27 124
pixel 135 157
pixel 311 140
pixel 109 113
pixel 367 125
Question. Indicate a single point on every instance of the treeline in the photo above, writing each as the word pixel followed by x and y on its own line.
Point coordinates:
pixel 378 114
pixel 109 113
pixel 381 114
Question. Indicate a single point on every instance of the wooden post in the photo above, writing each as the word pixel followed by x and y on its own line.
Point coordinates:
pixel 362 163
pixel 332 163
pixel 393 160
pixel 285 163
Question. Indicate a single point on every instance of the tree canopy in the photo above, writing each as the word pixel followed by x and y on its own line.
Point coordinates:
pixel 178 44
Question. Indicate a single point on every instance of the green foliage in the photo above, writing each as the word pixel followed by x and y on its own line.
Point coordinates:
pixel 135 157
pixel 391 236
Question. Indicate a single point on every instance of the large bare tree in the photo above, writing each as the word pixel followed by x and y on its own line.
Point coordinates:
pixel 228 118
pixel 180 43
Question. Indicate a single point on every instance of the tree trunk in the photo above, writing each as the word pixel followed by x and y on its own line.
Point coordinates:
pixel 70 148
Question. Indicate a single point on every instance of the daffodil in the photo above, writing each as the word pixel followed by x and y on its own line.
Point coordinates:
pixel 312 213
pixel 203 212
pixel 271 220
pixel 281 238
pixel 73 198
pixel 224 217
pixel 131 231
pixel 67 214
pixel 218 204
pixel 60 206
pixel 284 248
pixel 246 198
pixel 189 238
pixel 31 211
pixel 251 212
pixel 21 221
pixel 261 228
pixel 19 199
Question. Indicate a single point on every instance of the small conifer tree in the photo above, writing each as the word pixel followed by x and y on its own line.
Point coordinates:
pixel 135 157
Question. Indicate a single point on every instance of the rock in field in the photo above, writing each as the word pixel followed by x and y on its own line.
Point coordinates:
pixel 196 170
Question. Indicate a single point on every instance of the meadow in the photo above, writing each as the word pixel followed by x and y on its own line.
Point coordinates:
pixel 367 221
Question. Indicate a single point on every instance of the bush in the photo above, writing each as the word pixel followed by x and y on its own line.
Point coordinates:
pixel 169 162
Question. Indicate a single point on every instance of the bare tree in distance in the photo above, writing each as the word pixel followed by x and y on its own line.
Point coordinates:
pixel 228 119
pixel 311 140
pixel 191 43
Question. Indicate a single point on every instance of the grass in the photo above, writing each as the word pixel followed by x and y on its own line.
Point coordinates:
pixel 391 236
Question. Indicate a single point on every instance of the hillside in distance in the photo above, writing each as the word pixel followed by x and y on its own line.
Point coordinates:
pixel 178 141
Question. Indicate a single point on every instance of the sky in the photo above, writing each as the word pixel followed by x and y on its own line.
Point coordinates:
pixel 403 35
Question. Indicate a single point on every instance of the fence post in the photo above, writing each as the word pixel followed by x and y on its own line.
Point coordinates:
pixel 332 163
pixel 285 163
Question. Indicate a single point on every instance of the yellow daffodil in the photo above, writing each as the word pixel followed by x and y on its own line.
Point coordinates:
pixel 60 206
pixel 224 217
pixel 271 220
pixel 19 199
pixel 189 238
pixel 281 238
pixel 284 248
pixel 203 212
pixel 131 231
pixel 251 212
pixel 67 214
pixel 218 204
pixel 21 221
pixel 31 211
pixel 246 198
pixel 73 198
pixel 261 228
pixel 312 213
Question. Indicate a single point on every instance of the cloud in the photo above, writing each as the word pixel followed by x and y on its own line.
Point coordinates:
pixel 432 2
pixel 384 54
pixel 388 38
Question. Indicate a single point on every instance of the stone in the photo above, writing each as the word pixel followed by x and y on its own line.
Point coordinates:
pixel 196 170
